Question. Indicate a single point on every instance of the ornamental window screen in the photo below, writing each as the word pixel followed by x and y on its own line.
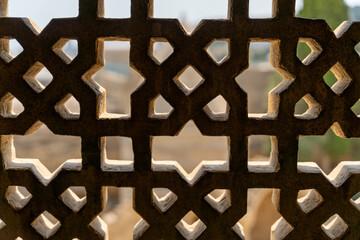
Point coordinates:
pixel 65 203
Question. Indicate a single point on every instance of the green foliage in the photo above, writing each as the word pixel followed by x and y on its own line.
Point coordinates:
pixel 303 50
pixel 329 144
pixel 333 11
pixel 330 78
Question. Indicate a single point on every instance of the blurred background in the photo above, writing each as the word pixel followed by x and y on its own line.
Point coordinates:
pixel 190 147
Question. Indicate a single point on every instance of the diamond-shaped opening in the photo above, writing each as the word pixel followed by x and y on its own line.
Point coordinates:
pixel 18 197
pixel 307 108
pixel 46 224
pixel 160 108
pixel 11 49
pixel 262 218
pixel 356 108
pixel 54 9
pixel 262 153
pixel 52 151
pixel 2 224
pixel 309 199
pixel 217 109
pixel 74 198
pixel 308 50
pixel 68 107
pixel 265 11
pixel 357 48
pixel 188 79
pixel 219 199
pixel 118 79
pixel 190 154
pixel 118 217
pixel 190 13
pixel 160 49
pixel 337 78
pixel 10 107
pixel 117 154
pixel 218 50
pixel 260 82
pixel 355 200
pixel 163 199
pixel 38 77
pixel 190 226
pixel 328 151
pixel 335 227
pixel 66 49
pixel 117 9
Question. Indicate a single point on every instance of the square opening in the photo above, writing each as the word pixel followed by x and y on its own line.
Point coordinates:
pixel 117 8
pixel 262 153
pixel 260 8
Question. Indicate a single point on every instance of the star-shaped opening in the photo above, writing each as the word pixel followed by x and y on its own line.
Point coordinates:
pixel 262 154
pixel 307 108
pixel 117 154
pixel 185 153
pixel 333 156
pixel 50 157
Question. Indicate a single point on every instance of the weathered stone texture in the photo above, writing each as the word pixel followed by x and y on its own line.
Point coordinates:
pixel 303 218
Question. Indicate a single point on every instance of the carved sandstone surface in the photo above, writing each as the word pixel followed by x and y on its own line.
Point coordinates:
pixel 38 203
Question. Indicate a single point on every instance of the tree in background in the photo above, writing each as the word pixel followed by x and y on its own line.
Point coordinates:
pixel 333 11
pixel 313 148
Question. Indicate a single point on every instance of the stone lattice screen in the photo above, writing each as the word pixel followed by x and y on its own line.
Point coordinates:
pixel 325 212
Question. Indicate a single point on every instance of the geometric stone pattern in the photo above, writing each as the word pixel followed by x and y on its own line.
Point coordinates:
pixel 90 29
